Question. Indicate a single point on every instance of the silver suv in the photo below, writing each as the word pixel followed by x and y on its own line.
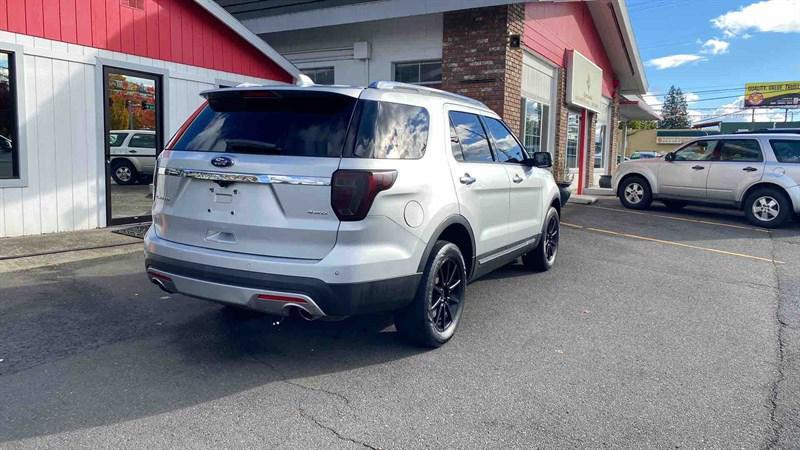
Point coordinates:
pixel 756 172
pixel 331 201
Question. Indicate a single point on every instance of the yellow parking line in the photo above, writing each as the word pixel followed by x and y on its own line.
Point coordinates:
pixel 677 244
pixel 682 219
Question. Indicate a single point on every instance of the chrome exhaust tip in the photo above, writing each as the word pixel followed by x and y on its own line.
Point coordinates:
pixel 300 312
pixel 160 284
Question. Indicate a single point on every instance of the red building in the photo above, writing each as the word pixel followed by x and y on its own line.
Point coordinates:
pixel 94 89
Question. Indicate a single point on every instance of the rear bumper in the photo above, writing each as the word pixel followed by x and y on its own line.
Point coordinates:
pixel 273 293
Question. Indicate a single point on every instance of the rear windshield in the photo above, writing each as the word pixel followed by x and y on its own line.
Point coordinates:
pixel 288 123
pixel 786 151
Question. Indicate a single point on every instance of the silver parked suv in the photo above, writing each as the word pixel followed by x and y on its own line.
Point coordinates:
pixel 756 172
pixel 332 201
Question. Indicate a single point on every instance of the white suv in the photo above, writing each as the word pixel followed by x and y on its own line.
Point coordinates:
pixel 332 201
pixel 756 172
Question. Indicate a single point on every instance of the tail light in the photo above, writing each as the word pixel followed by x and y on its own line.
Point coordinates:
pixel 353 191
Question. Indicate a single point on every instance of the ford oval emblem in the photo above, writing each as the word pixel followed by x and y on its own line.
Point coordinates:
pixel 222 161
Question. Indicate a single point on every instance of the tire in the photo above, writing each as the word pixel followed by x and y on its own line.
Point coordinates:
pixel 123 172
pixel 674 204
pixel 543 257
pixel 432 317
pixel 767 207
pixel 635 193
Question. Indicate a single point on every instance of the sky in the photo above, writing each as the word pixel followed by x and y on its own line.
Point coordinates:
pixel 711 48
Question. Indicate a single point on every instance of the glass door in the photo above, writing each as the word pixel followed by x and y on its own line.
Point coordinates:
pixel 133 137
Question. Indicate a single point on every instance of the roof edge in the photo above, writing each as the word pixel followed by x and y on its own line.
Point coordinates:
pixel 231 22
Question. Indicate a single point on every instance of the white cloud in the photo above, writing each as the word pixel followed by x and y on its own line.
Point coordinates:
pixel 668 62
pixel 734 112
pixel 715 46
pixel 779 16
pixel 747 36
pixel 691 97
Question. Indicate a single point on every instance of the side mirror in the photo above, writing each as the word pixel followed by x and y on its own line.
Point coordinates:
pixel 539 159
pixel 669 157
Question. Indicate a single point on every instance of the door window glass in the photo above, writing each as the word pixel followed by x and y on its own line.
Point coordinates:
pixel 599 146
pixel 390 131
pixel 743 150
pixel 474 143
pixel 506 146
pixel 573 138
pixel 116 139
pixel 697 151
pixel 9 164
pixel 140 140
pixel 786 151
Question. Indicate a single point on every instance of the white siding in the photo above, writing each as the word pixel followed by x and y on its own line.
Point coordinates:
pixel 65 176
pixel 391 41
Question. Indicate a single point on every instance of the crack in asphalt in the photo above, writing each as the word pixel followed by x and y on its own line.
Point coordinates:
pixel 332 430
pixel 776 425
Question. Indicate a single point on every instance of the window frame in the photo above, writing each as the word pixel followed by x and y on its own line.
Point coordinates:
pixel 485 132
pixel 724 141
pixel 419 64
pixel 577 142
pixel 18 134
pixel 775 154
pixel 688 144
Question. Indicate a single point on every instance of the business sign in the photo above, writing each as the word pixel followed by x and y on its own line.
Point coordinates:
pixel 674 139
pixel 584 82
pixel 778 94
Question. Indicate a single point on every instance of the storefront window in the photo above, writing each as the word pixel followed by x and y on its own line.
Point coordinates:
pixel 599 146
pixel 534 123
pixel 9 164
pixel 320 75
pixel 419 72
pixel 573 138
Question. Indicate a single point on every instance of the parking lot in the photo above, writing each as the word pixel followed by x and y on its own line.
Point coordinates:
pixel 654 329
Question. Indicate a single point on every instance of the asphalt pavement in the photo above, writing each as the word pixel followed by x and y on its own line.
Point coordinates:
pixel 654 329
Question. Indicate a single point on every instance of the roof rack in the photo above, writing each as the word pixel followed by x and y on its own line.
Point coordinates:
pixel 396 85
pixel 770 131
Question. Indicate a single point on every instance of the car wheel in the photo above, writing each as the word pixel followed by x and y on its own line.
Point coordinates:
pixel 432 317
pixel 543 257
pixel 767 207
pixel 635 193
pixel 123 172
pixel 674 204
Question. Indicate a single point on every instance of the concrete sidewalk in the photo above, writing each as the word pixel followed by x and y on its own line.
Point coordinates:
pixel 20 253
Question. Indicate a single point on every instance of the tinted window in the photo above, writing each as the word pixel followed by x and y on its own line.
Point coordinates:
pixel 289 123
pixel 455 144
pixel 786 151
pixel 418 72
pixel 505 145
pixel 116 139
pixel 390 131
pixel 474 143
pixel 697 151
pixel 745 150
pixel 143 141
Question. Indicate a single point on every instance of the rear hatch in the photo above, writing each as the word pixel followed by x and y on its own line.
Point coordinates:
pixel 251 173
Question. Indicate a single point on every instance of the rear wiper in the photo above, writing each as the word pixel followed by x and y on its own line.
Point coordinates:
pixel 253 147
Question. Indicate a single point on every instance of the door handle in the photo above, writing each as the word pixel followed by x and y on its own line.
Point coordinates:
pixel 517 179
pixel 131 151
pixel 750 169
pixel 698 167
pixel 467 179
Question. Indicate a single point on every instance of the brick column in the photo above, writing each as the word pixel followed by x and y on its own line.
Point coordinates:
pixel 560 138
pixel 589 169
pixel 478 62
pixel 616 134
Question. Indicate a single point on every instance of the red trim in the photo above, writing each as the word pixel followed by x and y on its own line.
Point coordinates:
pixel 178 31
pixel 582 141
pixel 183 127
pixel 281 298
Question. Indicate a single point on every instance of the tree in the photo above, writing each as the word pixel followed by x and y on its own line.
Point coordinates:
pixel 641 125
pixel 674 110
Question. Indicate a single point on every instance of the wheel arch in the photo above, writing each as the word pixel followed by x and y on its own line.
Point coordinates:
pixel 455 229
pixel 765 184
pixel 629 175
